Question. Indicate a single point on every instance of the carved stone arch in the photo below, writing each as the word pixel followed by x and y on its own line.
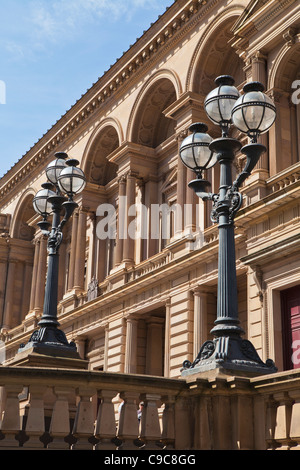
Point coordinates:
pixel 214 56
pixel 284 136
pixel 104 140
pixel 24 211
pixel 285 68
pixel 147 124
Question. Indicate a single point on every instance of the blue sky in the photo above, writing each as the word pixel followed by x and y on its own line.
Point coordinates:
pixel 51 52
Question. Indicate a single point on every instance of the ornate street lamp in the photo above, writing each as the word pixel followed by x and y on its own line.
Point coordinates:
pixel 64 178
pixel 252 113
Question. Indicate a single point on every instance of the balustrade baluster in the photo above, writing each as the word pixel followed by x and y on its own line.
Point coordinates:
pixel 83 429
pixel 168 422
pixel 283 420
pixel 128 425
pixel 11 422
pixel 106 423
pixel 35 423
pixel 270 423
pixel 295 419
pixel 150 427
pixel 60 420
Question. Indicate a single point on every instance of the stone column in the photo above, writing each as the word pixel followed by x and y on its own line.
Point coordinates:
pixel 297 124
pixel 41 276
pixel 189 209
pixel 275 136
pixel 130 366
pixel 259 73
pixel 91 235
pixel 259 67
pixel 80 251
pixel 141 223
pixel 167 340
pixel 3 273
pixel 181 188
pixel 151 229
pixel 120 222
pixel 9 296
pixel 73 251
pixel 106 348
pixel 128 246
pixel 34 274
pixel 26 290
pixel 295 141
pixel 200 320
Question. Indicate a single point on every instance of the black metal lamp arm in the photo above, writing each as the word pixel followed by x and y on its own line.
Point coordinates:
pixel 253 153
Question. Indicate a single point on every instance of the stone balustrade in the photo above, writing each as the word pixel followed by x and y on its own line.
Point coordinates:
pixel 64 409
pixel 284 178
pixel 70 409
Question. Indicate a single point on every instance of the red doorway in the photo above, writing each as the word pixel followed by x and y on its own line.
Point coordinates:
pixel 290 308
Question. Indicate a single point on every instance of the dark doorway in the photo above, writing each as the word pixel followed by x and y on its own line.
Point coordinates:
pixel 290 308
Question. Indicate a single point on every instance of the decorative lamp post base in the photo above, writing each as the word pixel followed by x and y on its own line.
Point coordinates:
pixel 49 347
pixel 52 341
pixel 230 354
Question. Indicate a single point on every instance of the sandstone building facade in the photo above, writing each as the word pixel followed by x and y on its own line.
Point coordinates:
pixel 145 303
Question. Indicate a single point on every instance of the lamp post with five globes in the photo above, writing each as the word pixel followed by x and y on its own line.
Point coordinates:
pixel 65 180
pixel 252 113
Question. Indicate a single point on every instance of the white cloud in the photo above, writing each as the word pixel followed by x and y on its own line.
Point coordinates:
pixel 15 49
pixel 45 22
pixel 57 19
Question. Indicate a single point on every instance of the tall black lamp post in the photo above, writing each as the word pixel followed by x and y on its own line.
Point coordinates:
pixel 56 199
pixel 252 113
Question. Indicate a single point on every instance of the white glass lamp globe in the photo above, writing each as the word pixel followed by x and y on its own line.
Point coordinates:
pixel 194 150
pixel 41 204
pixel 254 112
pixel 220 101
pixel 71 179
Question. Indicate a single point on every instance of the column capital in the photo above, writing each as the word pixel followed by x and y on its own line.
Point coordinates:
pixel 202 290
pixel 122 179
pixel 152 321
pixel 13 261
pixel 181 135
pixel 259 56
pixel 84 209
pixel 130 318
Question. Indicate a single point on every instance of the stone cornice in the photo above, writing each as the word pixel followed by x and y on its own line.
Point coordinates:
pixel 257 22
pixel 169 25
pixel 274 251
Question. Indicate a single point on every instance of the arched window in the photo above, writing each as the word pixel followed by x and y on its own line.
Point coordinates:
pixel 284 80
pixel 214 56
pixel 149 127
pixel 101 174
